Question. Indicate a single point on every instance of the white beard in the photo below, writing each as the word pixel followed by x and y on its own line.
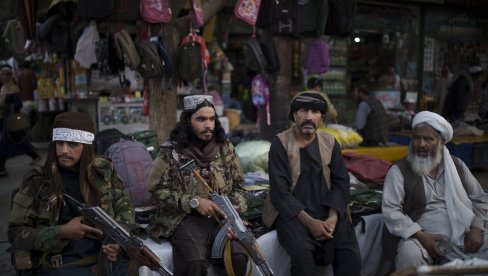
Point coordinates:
pixel 423 165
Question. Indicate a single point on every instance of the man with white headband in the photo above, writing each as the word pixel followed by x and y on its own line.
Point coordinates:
pixel 48 225
pixel 431 201
pixel 186 215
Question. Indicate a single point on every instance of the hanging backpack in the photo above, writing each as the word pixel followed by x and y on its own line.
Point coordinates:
pixel 312 17
pixel 133 164
pixel 107 60
pixel 247 10
pixel 126 50
pixel 95 9
pixel 265 14
pixel 194 57
pixel 339 19
pixel 317 58
pixel 260 94
pixel 155 11
pixel 253 56
pixel 165 55
pixel 270 53
pixel 151 65
pixel 125 11
pixel 196 13
pixel 11 43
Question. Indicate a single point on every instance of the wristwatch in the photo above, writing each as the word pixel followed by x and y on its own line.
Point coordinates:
pixel 194 202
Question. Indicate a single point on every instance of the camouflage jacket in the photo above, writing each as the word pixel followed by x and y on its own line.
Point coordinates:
pixel 34 218
pixel 173 189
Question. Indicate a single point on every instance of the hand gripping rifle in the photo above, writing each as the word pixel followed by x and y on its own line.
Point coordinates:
pixel 139 253
pixel 233 221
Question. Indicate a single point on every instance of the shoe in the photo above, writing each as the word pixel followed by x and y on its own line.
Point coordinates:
pixel 3 173
pixel 35 161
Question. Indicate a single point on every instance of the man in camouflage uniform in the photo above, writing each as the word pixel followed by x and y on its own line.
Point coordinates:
pixel 47 224
pixel 185 213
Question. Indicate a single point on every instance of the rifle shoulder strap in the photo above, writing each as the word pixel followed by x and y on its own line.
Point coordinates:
pixel 228 259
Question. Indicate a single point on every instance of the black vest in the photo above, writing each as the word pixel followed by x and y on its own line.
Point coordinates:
pixel 413 203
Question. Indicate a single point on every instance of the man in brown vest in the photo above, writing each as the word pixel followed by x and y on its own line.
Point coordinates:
pixel 431 201
pixel 310 192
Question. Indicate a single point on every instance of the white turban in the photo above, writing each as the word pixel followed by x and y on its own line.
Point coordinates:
pixel 436 121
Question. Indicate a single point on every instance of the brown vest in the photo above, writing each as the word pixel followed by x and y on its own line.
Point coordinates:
pixel 413 203
pixel 290 143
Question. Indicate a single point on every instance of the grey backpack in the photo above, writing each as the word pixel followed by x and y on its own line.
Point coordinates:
pixel 133 164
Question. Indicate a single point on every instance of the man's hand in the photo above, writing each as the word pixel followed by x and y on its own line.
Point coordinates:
pixel 207 207
pixel 473 240
pixel 331 221
pixel 318 228
pixel 429 242
pixel 111 250
pixel 76 230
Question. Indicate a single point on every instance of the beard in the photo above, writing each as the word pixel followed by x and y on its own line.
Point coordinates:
pixel 423 165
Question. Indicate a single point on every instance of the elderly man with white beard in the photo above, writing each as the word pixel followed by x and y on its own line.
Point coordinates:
pixel 431 201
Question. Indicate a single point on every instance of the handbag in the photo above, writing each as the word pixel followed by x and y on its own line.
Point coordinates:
pixel 17 121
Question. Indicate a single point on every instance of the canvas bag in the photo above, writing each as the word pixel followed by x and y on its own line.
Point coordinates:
pixel 247 10
pixel 155 11
pixel 260 94
pixel 317 58
pixel 126 50
pixel 133 164
pixel 151 65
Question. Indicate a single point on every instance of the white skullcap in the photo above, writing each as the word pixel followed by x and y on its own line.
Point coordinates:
pixel 436 121
pixel 191 102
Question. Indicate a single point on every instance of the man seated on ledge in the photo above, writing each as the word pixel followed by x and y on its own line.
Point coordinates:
pixel 433 207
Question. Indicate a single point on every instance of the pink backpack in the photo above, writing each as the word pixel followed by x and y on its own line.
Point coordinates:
pixel 155 11
pixel 317 58
pixel 247 10
pixel 260 94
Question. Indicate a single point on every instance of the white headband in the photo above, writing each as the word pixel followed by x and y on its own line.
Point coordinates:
pixel 73 135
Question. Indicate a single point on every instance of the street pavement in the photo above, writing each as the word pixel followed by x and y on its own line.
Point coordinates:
pixel 16 168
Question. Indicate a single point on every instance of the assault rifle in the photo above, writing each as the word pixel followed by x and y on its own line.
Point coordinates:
pixel 139 254
pixel 244 235
pixel 233 221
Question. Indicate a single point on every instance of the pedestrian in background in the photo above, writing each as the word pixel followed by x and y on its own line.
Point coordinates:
pixel 12 143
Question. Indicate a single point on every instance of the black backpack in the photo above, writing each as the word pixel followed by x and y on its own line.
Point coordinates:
pixel 151 65
pixel 253 56
pixel 297 18
pixel 339 19
pixel 270 53
pixel 105 138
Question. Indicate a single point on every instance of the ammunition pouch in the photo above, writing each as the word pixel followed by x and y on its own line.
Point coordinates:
pixel 21 260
